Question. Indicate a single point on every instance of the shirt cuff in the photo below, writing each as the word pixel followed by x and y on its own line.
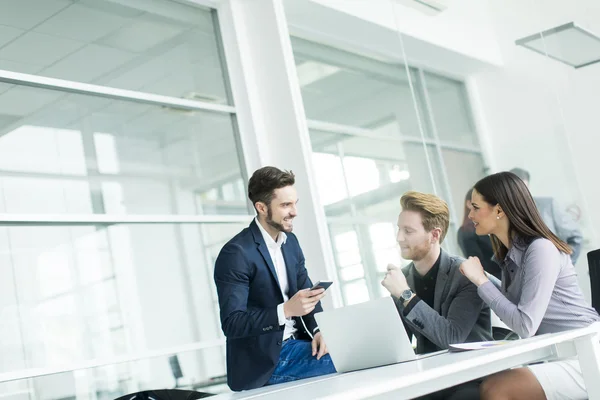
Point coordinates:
pixel 411 304
pixel 489 293
pixel 280 314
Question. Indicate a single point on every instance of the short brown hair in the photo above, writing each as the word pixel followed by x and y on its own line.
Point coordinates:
pixel 264 181
pixel 434 211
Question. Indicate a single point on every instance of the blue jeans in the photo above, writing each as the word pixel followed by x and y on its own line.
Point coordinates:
pixel 297 362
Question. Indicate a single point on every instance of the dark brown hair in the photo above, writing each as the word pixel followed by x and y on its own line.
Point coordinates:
pixel 508 190
pixel 264 181
pixel 434 211
pixel 467 224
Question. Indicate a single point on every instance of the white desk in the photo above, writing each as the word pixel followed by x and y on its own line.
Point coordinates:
pixel 419 377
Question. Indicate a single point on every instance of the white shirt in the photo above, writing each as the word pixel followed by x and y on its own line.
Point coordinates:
pixel 279 263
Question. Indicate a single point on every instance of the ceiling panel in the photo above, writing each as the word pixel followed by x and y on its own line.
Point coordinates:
pixel 6 120
pixel 8 33
pixel 4 87
pixel 127 109
pixel 144 33
pixel 23 101
pixel 69 112
pixel 113 7
pixel 88 63
pixel 151 123
pixel 26 14
pixel 82 23
pixel 20 67
pixel 38 49
pixel 139 75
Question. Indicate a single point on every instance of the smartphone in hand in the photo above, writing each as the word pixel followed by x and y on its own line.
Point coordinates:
pixel 321 285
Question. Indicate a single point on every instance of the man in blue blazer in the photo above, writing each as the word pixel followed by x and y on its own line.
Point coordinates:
pixel 266 305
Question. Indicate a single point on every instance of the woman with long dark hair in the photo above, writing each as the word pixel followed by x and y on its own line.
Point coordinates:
pixel 539 291
pixel 473 245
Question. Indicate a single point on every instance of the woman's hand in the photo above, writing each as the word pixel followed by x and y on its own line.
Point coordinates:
pixel 472 269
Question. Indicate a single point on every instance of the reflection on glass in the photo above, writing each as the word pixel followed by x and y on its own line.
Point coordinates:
pixel 115 380
pixel 464 169
pixel 162 46
pixel 81 154
pixel 373 136
pixel 450 110
pixel 349 257
pixel 425 169
pixel 349 89
pixel 385 248
pixel 78 293
pixel 356 292
pixel 352 272
pixel 329 177
pixel 366 174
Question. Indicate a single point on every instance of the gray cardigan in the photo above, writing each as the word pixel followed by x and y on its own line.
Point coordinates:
pixel 458 315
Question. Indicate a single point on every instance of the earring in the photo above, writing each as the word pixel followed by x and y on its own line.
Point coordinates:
pixel 498 217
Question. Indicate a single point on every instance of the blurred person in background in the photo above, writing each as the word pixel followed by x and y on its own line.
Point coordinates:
pixel 559 222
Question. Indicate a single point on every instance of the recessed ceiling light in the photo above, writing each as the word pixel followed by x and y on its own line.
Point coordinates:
pixel 566 43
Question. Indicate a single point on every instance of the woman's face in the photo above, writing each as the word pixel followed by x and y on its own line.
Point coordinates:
pixel 483 215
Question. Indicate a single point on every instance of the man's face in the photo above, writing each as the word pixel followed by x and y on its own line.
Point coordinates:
pixel 414 240
pixel 282 210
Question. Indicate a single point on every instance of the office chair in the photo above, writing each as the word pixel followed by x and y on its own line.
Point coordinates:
pixel 594 270
pixel 166 394
pixel 499 329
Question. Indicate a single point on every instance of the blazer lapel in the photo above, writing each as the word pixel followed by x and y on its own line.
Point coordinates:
pixel 263 250
pixel 441 281
pixel 291 271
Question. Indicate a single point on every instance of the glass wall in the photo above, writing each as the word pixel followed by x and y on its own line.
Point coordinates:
pixel 379 129
pixel 136 122
pixel 542 101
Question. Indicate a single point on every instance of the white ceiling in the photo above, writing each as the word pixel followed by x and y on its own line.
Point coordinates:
pixel 103 42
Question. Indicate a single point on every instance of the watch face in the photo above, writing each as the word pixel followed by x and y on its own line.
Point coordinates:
pixel 406 294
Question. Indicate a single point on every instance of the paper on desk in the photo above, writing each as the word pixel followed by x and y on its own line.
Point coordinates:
pixel 477 345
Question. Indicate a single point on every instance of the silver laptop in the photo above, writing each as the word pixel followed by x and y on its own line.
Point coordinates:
pixel 365 335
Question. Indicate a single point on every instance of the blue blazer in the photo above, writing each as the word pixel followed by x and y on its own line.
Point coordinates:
pixel 249 293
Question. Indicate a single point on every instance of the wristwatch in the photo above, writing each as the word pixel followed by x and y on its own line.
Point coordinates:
pixel 406 295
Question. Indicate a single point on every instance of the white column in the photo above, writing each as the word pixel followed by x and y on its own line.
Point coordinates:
pixel 271 118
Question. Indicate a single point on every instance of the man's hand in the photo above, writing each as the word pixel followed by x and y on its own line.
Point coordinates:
pixel 395 281
pixel 303 302
pixel 319 348
pixel 472 269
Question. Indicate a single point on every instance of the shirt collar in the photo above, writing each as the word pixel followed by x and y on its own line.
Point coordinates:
pixel 281 238
pixel 516 251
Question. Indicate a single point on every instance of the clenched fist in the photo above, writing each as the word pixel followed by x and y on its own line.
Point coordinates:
pixel 472 269
pixel 395 281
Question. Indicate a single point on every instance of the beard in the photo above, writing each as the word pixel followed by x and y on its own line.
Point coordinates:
pixel 419 252
pixel 274 224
